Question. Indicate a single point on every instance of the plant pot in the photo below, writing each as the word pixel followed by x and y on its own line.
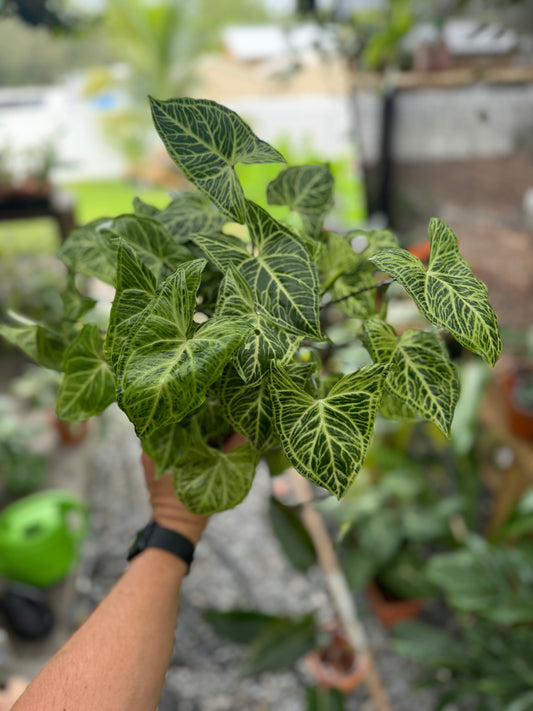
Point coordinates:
pixel 420 249
pixel 389 610
pixel 337 665
pixel 71 432
pixel 517 388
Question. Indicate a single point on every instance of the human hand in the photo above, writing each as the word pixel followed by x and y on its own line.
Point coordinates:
pixel 13 690
pixel 167 510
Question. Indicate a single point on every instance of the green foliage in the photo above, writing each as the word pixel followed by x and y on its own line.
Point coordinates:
pixel 217 326
pixel 274 642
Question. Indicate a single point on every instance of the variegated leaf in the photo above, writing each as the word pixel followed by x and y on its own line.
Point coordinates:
pixel 447 293
pixel 143 209
pixel 266 343
pixel 151 241
pixel 326 439
pixel 191 213
pixel 379 338
pixel 88 386
pixel 164 371
pixel 422 377
pixel 222 250
pixel 456 299
pixel 420 380
pixel 136 286
pixel 306 189
pixel 282 275
pixel 376 240
pixel 206 140
pixel 167 446
pixel 355 295
pixel 212 481
pixel 248 408
pixel 42 344
pixel 88 250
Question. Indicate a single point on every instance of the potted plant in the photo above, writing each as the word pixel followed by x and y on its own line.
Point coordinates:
pixel 221 313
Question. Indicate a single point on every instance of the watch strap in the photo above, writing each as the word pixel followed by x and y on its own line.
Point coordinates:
pixel 155 536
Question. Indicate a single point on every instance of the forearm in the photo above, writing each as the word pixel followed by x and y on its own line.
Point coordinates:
pixel 118 659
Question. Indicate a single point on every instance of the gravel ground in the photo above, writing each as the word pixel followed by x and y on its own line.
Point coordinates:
pixel 238 564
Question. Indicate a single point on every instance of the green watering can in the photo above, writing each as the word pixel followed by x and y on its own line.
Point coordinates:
pixel 40 537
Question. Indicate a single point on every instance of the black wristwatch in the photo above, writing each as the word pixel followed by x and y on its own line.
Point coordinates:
pixel 155 536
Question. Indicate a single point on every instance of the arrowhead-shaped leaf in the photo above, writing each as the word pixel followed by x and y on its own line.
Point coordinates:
pixel 282 276
pixel 420 380
pixel 266 342
pixel 380 339
pixel 211 481
pixel 164 371
pixel 136 286
pixel 151 241
pixel 248 408
pixel 222 250
pixel 167 446
pixel 447 293
pixel 44 345
pixel 306 189
pixel 191 213
pixel 89 251
pixel 423 378
pixel 326 439
pixel 206 140
pixel 88 386
pixel 144 209
pixel 457 300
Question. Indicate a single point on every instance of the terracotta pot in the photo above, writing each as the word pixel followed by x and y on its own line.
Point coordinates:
pixel 71 432
pixel 519 413
pixel 391 611
pixel 420 250
pixel 337 665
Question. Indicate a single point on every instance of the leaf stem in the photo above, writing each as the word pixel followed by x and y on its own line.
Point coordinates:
pixel 377 285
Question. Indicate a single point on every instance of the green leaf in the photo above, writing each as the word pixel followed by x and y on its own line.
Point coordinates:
pixel 206 140
pixel 165 369
pixel 143 209
pixel 447 293
pixel 136 287
pixel 209 480
pixel 240 626
pixel 319 699
pixel 88 250
pixel 23 337
pixel 74 304
pixel 379 338
pixel 355 295
pixel 306 189
pixel 280 645
pixel 422 377
pixel 88 386
pixel 222 250
pixel 326 439
pixel 282 276
pixel 167 446
pixel 292 535
pixel 266 342
pixel 191 213
pixel 51 346
pixel 248 408
pixel 151 242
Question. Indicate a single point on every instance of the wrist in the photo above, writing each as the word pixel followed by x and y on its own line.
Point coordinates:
pixel 159 537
